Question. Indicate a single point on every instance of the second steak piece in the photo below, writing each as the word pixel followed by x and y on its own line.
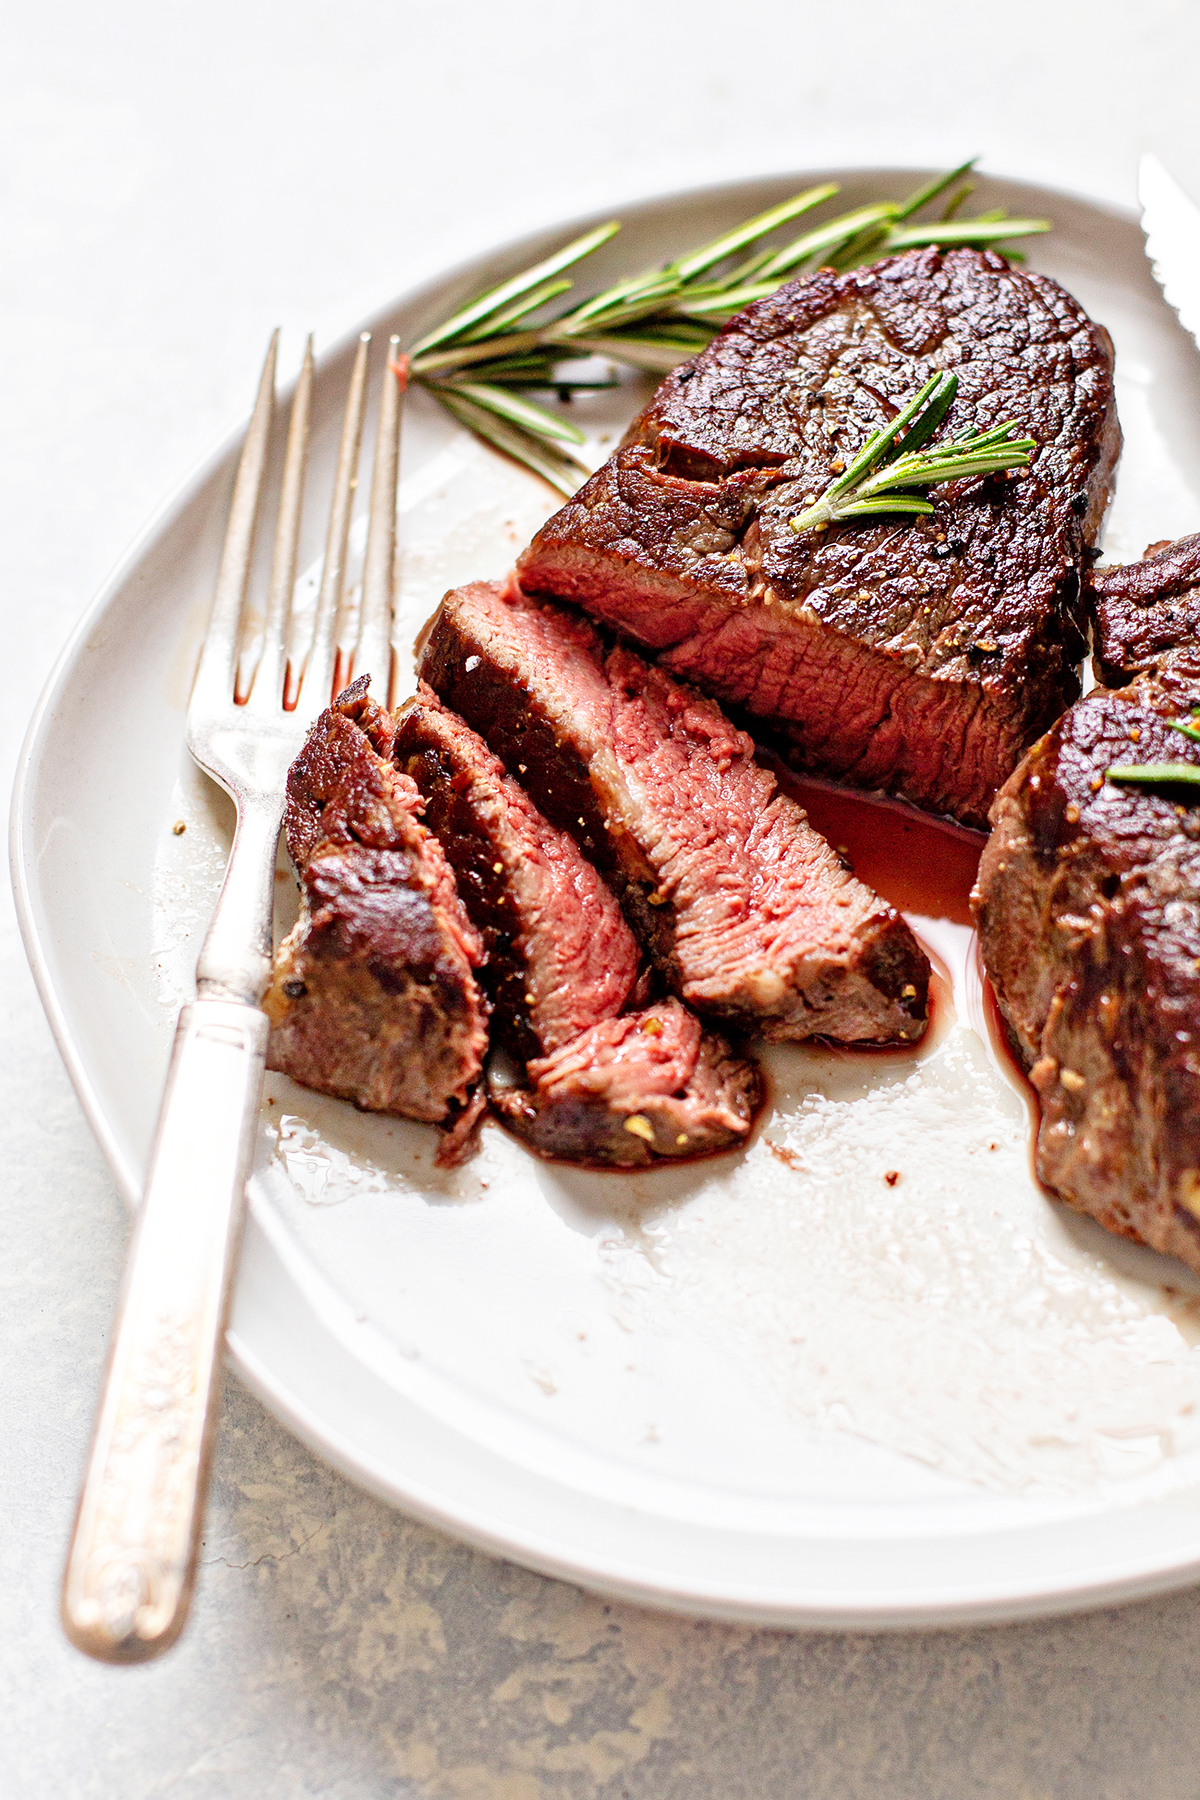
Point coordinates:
pixel 1088 905
pixel 603 1087
pixel 373 995
pixel 745 908
pixel 1148 612
pixel 921 655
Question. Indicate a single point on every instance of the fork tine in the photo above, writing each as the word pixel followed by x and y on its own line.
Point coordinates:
pixel 373 654
pixel 266 691
pixel 315 681
pixel 215 675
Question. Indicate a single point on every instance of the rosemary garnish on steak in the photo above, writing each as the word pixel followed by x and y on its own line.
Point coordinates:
pixel 481 362
pixel 1162 774
pixel 894 460
pixel 1155 774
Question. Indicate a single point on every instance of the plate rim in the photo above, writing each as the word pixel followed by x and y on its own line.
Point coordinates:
pixel 1128 1579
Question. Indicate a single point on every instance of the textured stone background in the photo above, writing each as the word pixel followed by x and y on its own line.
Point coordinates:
pixel 172 179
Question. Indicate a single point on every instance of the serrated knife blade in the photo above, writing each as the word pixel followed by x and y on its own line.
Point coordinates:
pixel 1171 223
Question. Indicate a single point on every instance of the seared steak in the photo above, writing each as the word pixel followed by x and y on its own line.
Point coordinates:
pixel 373 995
pixel 1088 905
pixel 634 1090
pixel 745 908
pixel 918 656
pixel 562 964
pixel 1146 610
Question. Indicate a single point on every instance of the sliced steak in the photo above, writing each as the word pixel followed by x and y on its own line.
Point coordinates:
pixel 560 957
pixel 635 1090
pixel 746 910
pixel 1088 905
pixel 562 965
pixel 373 997
pixel 1145 611
pixel 915 656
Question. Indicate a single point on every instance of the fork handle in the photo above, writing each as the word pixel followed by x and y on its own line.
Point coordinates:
pixel 132 1561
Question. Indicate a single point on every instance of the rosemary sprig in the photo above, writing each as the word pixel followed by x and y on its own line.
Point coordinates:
pixel 503 341
pixel 1187 726
pixel 893 460
pixel 1155 774
pixel 1158 774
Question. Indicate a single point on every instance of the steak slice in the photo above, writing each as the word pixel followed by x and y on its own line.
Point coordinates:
pixel 562 965
pixel 560 957
pixel 1145 611
pixel 916 656
pixel 1088 906
pixel 373 996
pixel 634 1090
pixel 746 910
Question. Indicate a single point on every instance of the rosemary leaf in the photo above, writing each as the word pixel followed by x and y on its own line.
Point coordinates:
pixel 884 443
pixel 1155 774
pixel 562 472
pixel 982 440
pixel 533 369
pixel 934 189
pixel 979 231
pixel 527 303
pixel 542 369
pixel 865 246
pixel 520 412
pixel 651 306
pixel 824 238
pixel 890 503
pixel 657 354
pixel 1188 731
pixel 957 201
pixel 629 300
pixel 890 462
pixel 460 356
pixel 688 267
pixel 923 471
pixel 499 297
pixel 923 416
pixel 720 307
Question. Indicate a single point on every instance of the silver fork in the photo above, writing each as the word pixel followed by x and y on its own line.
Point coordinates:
pixel 132 1562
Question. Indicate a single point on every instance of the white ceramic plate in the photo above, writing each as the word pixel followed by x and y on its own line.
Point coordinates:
pixel 779 1386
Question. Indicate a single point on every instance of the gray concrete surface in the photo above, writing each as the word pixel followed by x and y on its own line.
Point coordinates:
pixel 172 180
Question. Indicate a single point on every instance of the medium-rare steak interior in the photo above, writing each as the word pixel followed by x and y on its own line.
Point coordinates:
pixel 917 656
pixel 560 957
pixel 745 909
pixel 1088 906
pixel 561 966
pixel 634 1090
pixel 373 996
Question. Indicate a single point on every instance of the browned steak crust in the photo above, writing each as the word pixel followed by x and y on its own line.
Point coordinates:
pixel 919 657
pixel 746 910
pixel 373 996
pixel 1144 611
pixel 1088 905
